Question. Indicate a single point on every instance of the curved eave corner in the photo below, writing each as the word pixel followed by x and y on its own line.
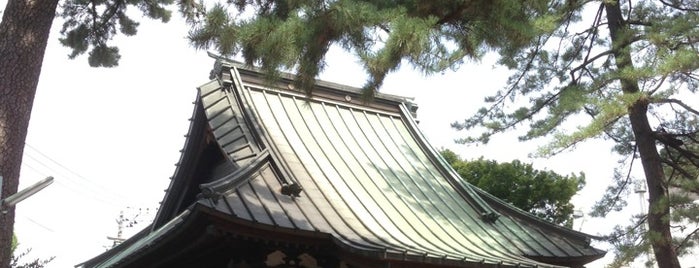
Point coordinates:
pixel 583 240
pixel 228 121
pixel 492 208
pixel 138 244
pixel 235 128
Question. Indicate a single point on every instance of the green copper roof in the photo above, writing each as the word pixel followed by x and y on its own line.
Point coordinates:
pixel 359 173
pixel 370 179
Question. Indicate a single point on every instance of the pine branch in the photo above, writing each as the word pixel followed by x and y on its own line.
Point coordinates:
pixel 642 220
pixel 690 155
pixel 657 87
pixel 110 12
pixel 604 206
pixel 686 239
pixel 678 102
pixel 93 11
pixel 588 61
pixel 639 23
pixel 607 127
pixel 500 101
pixel 591 34
pixel 678 168
pixel 679 7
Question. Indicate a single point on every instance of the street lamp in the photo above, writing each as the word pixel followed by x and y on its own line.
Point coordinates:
pixel 23 194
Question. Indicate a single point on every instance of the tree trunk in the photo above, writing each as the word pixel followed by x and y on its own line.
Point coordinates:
pixel 658 207
pixel 24 32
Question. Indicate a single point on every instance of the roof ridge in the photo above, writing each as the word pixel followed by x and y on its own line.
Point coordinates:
pixel 222 61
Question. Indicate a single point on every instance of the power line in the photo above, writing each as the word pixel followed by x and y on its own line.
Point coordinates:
pixel 38 224
pixel 73 188
pixel 72 181
pixel 73 176
pixel 40 163
pixel 69 183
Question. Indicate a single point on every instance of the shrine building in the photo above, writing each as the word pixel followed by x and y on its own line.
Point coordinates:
pixel 270 177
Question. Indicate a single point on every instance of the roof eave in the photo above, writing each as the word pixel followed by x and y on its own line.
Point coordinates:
pixel 143 242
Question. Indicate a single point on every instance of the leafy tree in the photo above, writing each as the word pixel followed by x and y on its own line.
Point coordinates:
pixel 24 31
pixel 545 194
pixel 582 69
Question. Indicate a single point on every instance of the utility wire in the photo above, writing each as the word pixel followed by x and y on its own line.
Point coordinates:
pixel 43 165
pixel 74 177
pixel 74 188
pixel 38 224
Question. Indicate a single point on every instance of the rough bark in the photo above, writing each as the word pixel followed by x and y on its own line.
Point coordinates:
pixel 659 209
pixel 24 32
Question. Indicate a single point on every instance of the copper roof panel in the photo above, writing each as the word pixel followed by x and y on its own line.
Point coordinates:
pixel 365 179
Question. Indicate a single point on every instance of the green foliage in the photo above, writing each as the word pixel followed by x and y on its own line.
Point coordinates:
pixel 16 261
pixel 615 70
pixel 630 242
pixel 614 198
pixel 569 73
pixel 431 35
pixel 14 244
pixel 451 157
pixel 91 25
pixel 545 194
pixel 623 71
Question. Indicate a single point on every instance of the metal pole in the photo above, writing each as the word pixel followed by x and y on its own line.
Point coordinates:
pixel 15 198
pixel 27 192
pixel 0 187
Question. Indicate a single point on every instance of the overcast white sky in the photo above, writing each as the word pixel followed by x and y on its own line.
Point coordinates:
pixel 111 137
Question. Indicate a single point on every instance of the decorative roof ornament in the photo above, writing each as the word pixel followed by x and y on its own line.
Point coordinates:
pixel 293 190
pixel 491 217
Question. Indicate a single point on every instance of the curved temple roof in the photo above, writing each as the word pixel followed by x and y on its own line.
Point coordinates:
pixel 362 174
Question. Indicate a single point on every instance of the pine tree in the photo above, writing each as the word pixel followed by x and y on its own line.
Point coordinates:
pixel 432 35
pixel 617 70
pixel 24 31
